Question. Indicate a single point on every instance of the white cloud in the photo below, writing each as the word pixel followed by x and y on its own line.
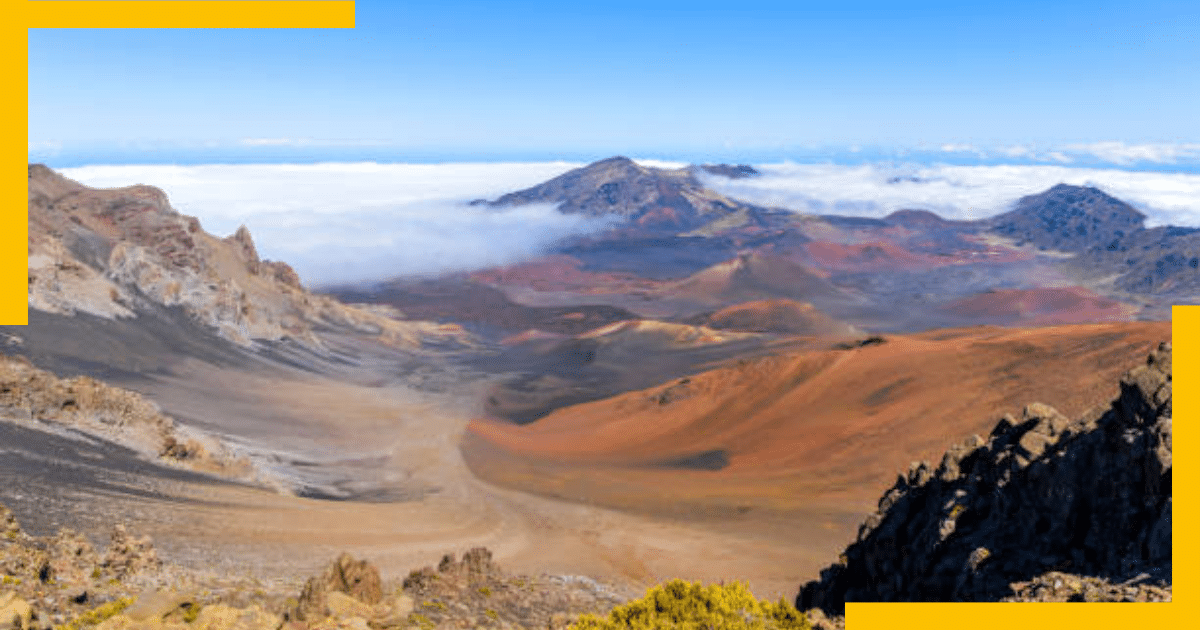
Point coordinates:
pixel 959 192
pixel 960 148
pixel 664 164
pixel 1115 153
pixel 1015 151
pixel 1125 154
pixel 340 222
pixel 365 221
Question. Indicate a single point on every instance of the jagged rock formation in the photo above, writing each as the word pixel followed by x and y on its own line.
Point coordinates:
pixel 356 579
pixel 39 399
pixel 1042 493
pixel 110 253
pixel 475 592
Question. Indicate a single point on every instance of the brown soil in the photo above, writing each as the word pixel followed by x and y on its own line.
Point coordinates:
pixel 1046 306
pixel 810 437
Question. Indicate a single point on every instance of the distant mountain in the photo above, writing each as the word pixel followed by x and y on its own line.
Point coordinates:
pixel 648 197
pixel 1068 218
pixel 732 171
pixel 1110 239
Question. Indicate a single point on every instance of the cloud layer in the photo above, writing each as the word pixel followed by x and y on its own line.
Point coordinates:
pixel 352 222
pixel 960 192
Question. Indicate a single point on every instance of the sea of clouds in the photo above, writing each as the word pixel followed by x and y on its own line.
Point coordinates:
pixel 954 191
pixel 356 222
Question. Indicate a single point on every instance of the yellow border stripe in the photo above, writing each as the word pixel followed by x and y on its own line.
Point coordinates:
pixel 14 221
pixel 1185 341
pixel 1185 550
pixel 191 14
pixel 311 14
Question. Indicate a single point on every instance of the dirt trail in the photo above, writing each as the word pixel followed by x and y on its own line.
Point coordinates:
pixel 416 498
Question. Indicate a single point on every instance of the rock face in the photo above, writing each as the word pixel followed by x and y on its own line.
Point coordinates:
pixel 1042 493
pixel 113 252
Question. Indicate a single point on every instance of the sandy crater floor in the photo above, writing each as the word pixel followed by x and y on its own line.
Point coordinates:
pixel 393 449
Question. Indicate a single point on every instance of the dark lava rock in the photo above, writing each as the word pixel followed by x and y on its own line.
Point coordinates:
pixel 1042 493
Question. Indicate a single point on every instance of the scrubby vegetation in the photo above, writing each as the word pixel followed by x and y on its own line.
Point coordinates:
pixel 680 605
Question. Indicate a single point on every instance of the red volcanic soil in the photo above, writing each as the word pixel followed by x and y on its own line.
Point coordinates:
pixel 1045 306
pixel 560 273
pixel 878 255
pixel 818 430
pixel 775 316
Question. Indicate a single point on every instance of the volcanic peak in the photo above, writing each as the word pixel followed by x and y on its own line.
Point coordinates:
pixel 650 198
pixel 1069 218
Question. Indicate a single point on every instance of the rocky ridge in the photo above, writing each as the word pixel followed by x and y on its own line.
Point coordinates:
pixel 111 252
pixel 998 517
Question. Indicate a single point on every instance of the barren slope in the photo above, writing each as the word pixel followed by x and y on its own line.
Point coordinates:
pixel 786 432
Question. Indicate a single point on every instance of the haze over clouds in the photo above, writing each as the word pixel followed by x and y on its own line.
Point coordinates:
pixel 353 222
pixel 958 192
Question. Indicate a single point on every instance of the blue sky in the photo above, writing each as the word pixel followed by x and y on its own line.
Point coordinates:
pixel 677 80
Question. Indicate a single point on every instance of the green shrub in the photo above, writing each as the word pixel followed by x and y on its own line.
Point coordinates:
pixel 97 615
pixel 680 605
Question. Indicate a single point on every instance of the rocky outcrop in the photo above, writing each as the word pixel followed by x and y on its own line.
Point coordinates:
pixel 474 592
pixel 1042 493
pixel 62 582
pixel 358 580
pixel 39 399
pixel 1056 586
pixel 112 253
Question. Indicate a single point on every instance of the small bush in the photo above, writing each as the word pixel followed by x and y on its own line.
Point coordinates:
pixel 97 615
pixel 680 605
